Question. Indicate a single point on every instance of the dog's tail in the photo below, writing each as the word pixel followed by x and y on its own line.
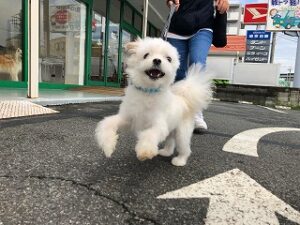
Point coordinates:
pixel 196 89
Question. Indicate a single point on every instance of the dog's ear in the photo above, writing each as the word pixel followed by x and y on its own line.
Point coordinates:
pixel 130 47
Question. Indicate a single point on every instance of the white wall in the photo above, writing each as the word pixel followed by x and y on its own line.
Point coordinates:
pixel 256 74
pixel 221 67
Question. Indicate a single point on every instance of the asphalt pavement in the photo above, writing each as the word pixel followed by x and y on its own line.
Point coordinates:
pixel 52 172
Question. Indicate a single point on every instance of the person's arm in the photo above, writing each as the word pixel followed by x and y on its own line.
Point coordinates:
pixel 222 5
pixel 176 2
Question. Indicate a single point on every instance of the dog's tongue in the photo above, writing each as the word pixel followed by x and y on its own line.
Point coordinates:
pixel 155 73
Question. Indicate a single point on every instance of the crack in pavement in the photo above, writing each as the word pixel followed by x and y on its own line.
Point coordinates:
pixel 133 215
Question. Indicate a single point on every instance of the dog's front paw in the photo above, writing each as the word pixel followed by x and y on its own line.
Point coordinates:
pixel 144 152
pixel 179 161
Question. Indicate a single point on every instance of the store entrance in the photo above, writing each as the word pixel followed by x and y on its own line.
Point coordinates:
pixel 110 32
pixel 62 42
pixel 104 63
pixel 127 36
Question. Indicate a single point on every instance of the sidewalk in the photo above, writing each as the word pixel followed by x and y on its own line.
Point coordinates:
pixel 14 103
pixel 60 97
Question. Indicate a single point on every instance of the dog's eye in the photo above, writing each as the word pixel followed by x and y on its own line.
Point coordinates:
pixel 169 58
pixel 146 55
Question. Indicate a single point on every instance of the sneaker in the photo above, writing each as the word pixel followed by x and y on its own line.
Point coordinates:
pixel 199 122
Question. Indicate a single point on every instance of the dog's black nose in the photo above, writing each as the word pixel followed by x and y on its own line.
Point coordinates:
pixel 156 62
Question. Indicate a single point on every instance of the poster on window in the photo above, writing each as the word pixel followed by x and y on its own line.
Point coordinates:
pixel 65 18
pixel 283 15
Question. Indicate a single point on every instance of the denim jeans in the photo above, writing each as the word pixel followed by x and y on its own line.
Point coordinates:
pixel 193 50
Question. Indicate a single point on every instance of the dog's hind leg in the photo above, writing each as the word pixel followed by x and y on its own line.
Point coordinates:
pixel 183 139
pixel 169 147
pixel 106 133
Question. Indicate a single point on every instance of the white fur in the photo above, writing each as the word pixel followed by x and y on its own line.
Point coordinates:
pixel 167 115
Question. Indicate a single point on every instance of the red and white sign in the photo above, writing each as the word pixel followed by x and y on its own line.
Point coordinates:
pixel 61 16
pixel 256 13
pixel 66 18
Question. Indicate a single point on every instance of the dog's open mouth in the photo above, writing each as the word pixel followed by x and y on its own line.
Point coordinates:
pixel 154 74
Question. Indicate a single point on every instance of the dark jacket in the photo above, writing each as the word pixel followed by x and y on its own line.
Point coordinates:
pixel 191 16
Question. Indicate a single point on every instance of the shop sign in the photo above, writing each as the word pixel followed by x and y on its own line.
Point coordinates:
pixel 255 13
pixel 65 18
pixel 258 46
pixel 283 15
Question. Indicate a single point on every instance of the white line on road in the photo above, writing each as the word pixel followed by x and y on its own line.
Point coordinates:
pixel 272 109
pixel 235 198
pixel 245 143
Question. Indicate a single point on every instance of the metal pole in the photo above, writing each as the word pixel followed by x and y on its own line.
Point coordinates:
pixel 296 82
pixel 145 18
pixel 33 79
pixel 274 34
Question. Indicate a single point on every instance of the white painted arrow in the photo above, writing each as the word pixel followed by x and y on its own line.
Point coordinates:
pixel 235 198
pixel 245 143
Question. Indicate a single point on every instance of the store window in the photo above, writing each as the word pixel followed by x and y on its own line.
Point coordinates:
pixel 11 40
pixel 152 31
pixel 128 13
pixel 113 42
pixel 62 41
pixel 138 22
pixel 98 37
pixel 126 37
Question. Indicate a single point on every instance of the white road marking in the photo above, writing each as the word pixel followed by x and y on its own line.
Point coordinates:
pixel 235 198
pixel 272 109
pixel 246 102
pixel 245 143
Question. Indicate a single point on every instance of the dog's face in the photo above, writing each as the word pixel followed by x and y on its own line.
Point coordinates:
pixel 151 62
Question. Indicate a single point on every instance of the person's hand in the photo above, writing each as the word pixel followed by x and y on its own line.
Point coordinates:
pixel 222 5
pixel 171 2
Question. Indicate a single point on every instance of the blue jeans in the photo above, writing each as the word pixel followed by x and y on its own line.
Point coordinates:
pixel 193 50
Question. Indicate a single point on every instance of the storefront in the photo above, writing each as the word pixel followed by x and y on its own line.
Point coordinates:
pixel 79 42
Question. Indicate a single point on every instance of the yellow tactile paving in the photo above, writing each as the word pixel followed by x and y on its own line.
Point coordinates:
pixel 9 109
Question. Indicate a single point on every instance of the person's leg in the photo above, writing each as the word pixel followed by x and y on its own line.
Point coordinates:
pixel 199 46
pixel 182 48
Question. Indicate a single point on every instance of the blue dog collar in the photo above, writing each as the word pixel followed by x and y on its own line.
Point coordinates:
pixel 148 90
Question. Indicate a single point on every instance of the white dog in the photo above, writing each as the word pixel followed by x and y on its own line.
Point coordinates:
pixel 155 108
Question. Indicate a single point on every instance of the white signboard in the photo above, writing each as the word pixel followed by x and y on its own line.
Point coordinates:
pixel 65 18
pixel 283 15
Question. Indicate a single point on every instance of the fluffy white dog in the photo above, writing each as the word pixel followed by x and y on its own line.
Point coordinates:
pixel 153 107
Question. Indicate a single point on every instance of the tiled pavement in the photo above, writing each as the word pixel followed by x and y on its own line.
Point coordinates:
pixel 9 109
pixel 14 103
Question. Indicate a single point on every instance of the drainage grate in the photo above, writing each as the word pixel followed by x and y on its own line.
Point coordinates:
pixel 9 109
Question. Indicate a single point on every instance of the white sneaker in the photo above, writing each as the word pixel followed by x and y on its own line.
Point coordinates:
pixel 199 121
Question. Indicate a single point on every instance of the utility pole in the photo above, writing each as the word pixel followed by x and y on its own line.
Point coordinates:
pixel 274 34
pixel 296 82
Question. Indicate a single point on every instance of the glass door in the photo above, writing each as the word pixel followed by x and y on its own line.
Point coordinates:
pixel 126 37
pixel 97 53
pixel 114 24
pixel 11 38
pixel 62 42
pixel 105 43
